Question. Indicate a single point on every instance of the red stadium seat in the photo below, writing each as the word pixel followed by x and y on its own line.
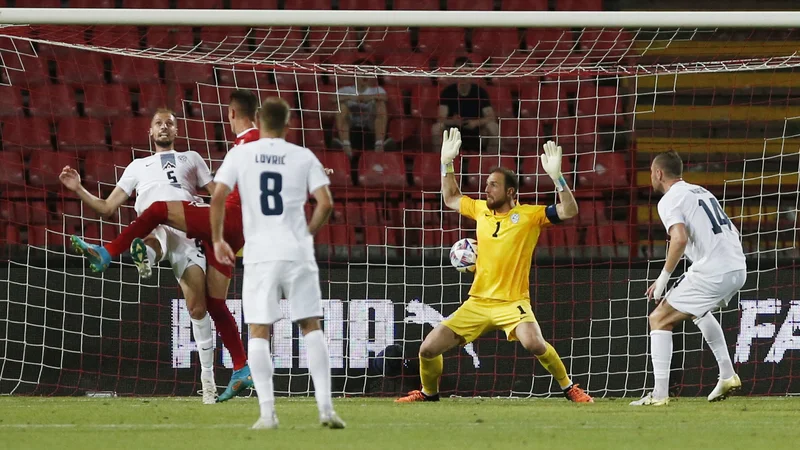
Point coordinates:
pixel 26 134
pixel 411 63
pixel 101 100
pixel 50 101
pixel 427 171
pixel 35 73
pixel 213 101
pixel 239 78
pixel 10 101
pixel 361 4
pixel 45 167
pixel 34 213
pixel 307 4
pixel 313 137
pixel 230 40
pixel 341 39
pixel 549 43
pixel 188 73
pixel 90 3
pixel 199 4
pixel 576 135
pixel 602 170
pixel 592 212
pixel 80 67
pixel 500 99
pixel 524 5
pixel 81 134
pixel 152 97
pixel 535 179
pixel 116 37
pixel 387 41
pixel 254 4
pixel 425 102
pixel 606 45
pixel 382 170
pixel 105 167
pixel 477 168
pixel 194 134
pixel 341 168
pixel 284 40
pixel 12 172
pixel 134 71
pixel 145 4
pixel 551 102
pixel 169 37
pixel 495 41
pixel 438 41
pixel 520 136
pixel 470 5
pixel 579 5
pixel 416 5
pixel 601 102
pixel 131 132
pixel 12 235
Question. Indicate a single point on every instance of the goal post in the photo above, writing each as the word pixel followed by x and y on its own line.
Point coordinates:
pixel 77 87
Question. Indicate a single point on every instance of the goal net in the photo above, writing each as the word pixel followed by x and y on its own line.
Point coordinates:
pixel 612 98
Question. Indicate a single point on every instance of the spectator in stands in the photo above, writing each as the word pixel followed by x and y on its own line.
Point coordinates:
pixel 362 121
pixel 466 105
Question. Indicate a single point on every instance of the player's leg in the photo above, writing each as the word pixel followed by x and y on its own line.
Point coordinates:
pixel 301 286
pixel 261 308
pixel 519 323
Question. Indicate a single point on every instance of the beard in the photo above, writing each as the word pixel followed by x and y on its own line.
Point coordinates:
pixel 164 142
pixel 495 202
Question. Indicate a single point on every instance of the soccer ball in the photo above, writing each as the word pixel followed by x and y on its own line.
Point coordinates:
pixel 464 255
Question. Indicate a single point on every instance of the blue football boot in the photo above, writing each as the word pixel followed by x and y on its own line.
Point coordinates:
pixel 240 380
pixel 98 256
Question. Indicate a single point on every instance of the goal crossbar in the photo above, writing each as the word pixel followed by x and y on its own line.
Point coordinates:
pixel 460 19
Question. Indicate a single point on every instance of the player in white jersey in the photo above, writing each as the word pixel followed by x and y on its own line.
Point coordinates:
pixel 274 179
pixel 166 175
pixel 699 228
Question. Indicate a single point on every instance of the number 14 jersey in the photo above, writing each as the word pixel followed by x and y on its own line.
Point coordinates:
pixel 714 245
pixel 274 178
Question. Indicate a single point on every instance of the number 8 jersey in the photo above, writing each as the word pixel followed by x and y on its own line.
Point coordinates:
pixel 274 179
pixel 714 245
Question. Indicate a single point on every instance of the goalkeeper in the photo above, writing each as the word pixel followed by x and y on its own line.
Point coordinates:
pixel 500 297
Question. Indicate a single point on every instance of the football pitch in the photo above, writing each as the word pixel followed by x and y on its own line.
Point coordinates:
pixel 184 423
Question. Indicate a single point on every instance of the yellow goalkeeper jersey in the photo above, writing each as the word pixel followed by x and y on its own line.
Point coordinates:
pixel 505 248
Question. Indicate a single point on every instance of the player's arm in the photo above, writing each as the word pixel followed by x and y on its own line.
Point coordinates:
pixel 677 245
pixel 451 194
pixel 210 187
pixel 323 209
pixel 71 179
pixel 223 185
pixel 567 207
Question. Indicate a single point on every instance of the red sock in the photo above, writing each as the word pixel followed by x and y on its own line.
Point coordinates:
pixel 227 330
pixel 152 217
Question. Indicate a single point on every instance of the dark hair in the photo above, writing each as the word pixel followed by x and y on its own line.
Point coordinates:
pixel 511 180
pixel 462 61
pixel 274 114
pixel 670 163
pixel 244 102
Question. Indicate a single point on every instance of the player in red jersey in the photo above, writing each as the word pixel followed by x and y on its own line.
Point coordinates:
pixel 193 218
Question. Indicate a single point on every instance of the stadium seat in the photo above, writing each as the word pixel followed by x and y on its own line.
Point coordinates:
pixel 12 234
pixel 254 4
pixel 523 5
pixel 592 213
pixel 341 40
pixel 232 41
pixel 52 101
pixel 535 179
pixel 427 171
pixel 89 3
pixel 145 4
pixel 188 73
pixel 495 41
pixel 412 63
pixel 387 41
pixel 605 45
pixel 10 101
pixel 576 135
pixel 520 136
pixel 80 67
pixel 169 37
pixel 551 44
pixel 134 71
pixel 477 168
pixel 105 167
pixel 545 101
pixel 425 102
pixel 382 170
pixel 500 98
pixel 154 96
pixel 131 132
pixel 341 168
pixel 36 72
pixel 81 134
pixel 102 100
pixel 195 134
pixel 439 41
pixel 600 101
pixel 602 170
pixel 283 40
pixel 470 5
pixel 416 5
pixel 12 173
pixel 361 4
pixel 312 136
pixel 45 166
pixel 579 5
pixel 116 37
pixel 199 4
pixel 26 134
pixel 242 78
pixel 33 213
pixel 307 4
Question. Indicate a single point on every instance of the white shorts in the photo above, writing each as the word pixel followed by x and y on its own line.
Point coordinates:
pixel 265 282
pixel 697 294
pixel 179 250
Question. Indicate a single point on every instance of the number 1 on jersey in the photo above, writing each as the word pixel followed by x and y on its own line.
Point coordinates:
pixel 496 230
pixel 271 201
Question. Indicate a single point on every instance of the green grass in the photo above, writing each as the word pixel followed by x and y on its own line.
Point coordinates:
pixel 177 423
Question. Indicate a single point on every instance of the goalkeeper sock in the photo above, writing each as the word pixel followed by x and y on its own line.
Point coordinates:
pixel 430 371
pixel 319 367
pixel 661 354
pixel 712 332
pixel 205 342
pixel 261 370
pixel 152 217
pixel 228 330
pixel 553 364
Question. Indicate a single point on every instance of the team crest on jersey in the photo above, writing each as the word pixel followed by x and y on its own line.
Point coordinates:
pixel 183 158
pixel 514 218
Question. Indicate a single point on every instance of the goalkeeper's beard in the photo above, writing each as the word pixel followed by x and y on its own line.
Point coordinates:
pixel 493 202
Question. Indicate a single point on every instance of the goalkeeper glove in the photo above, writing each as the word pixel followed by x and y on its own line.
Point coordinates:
pixel 451 142
pixel 551 163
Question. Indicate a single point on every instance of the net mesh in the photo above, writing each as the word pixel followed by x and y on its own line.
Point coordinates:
pixel 82 96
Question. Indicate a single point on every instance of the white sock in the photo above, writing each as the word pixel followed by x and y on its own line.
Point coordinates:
pixel 661 354
pixel 712 332
pixel 151 255
pixel 319 367
pixel 205 344
pixel 260 361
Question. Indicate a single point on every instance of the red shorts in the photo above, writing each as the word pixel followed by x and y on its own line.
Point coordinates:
pixel 198 226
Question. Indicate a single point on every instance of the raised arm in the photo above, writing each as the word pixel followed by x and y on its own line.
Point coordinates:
pixel 451 194
pixel 567 207
pixel 71 179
